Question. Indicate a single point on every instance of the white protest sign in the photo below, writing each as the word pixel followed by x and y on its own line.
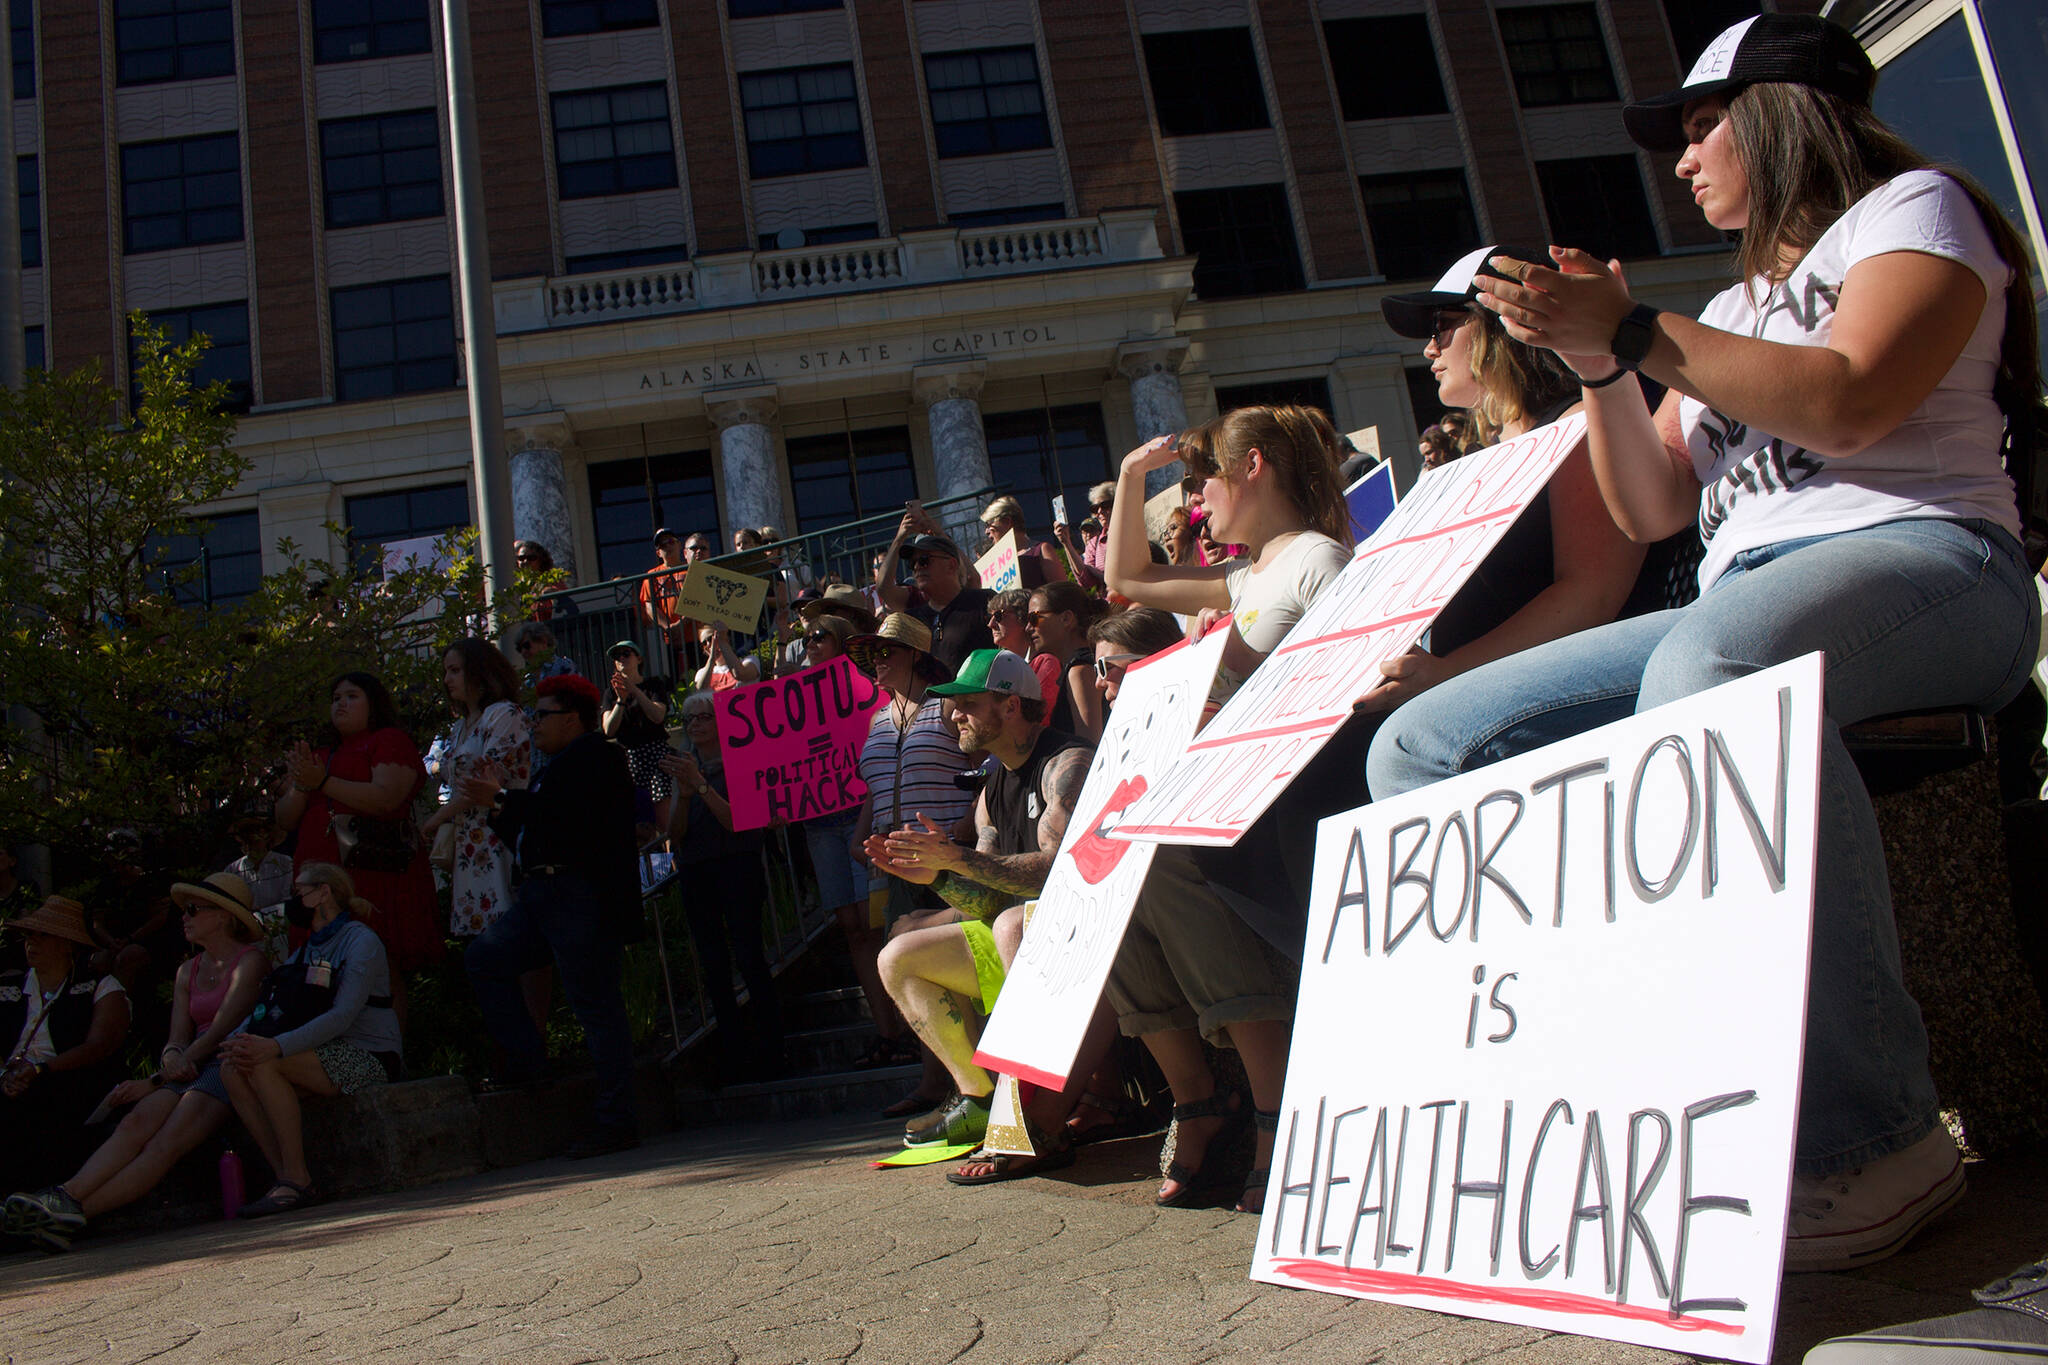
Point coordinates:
pixel 1394 586
pixel 1079 923
pixel 1546 1060
pixel 998 568
pixel 1059 509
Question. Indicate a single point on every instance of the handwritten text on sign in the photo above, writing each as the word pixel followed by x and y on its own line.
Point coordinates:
pixel 1086 904
pixel 1376 609
pixel 1546 1060
pixel 791 745
pixel 711 593
pixel 998 568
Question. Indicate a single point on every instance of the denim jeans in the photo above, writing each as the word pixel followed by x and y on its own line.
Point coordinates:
pixel 1911 614
pixel 556 920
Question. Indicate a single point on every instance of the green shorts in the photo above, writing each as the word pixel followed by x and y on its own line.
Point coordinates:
pixel 988 964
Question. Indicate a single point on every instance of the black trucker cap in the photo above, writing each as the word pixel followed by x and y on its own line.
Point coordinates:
pixel 1795 49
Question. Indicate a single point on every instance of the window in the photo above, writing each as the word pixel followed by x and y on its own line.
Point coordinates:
pixel 186 192
pixel 561 18
pixel 1029 213
pixel 1301 393
pixel 805 119
pixel 172 40
pixel 749 9
pixel 393 338
pixel 1420 222
pixel 1597 203
pixel 357 30
pixel 629 498
pixel 378 519
pixel 382 169
pixel 32 356
pixel 1042 451
pixel 29 185
pixel 21 28
pixel 613 141
pixel 845 476
pixel 226 327
pixel 1243 240
pixel 228 551
pixel 824 236
pixel 1386 67
pixel 1206 81
pixel 984 102
pixel 1557 55
pixel 626 260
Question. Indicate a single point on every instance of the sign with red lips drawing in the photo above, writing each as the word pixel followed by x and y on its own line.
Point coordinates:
pixel 1081 914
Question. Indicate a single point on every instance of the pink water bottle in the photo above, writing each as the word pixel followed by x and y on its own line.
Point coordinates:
pixel 230 1183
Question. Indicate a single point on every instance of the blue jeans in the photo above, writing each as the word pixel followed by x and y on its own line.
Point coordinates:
pixel 556 920
pixel 1912 614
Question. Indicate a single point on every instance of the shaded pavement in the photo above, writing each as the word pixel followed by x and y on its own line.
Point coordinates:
pixel 776 1243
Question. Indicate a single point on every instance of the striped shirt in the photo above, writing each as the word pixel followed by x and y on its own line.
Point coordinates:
pixel 930 760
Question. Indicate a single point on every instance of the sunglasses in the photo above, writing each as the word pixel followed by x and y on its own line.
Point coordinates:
pixel 1108 665
pixel 818 637
pixel 1447 325
pixel 922 560
pixel 550 711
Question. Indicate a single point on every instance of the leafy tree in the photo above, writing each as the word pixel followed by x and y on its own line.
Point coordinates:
pixel 149 713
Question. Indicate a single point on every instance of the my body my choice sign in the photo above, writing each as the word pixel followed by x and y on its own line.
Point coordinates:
pixel 1547 1055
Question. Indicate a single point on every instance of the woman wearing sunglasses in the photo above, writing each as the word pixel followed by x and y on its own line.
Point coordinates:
pixel 1058 623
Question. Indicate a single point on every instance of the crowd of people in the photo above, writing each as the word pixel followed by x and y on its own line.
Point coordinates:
pixel 1827 440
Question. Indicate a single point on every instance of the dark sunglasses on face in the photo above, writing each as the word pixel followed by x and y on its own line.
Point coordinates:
pixel 922 560
pixel 1447 325
pixel 550 711
pixel 1107 665
pixel 818 637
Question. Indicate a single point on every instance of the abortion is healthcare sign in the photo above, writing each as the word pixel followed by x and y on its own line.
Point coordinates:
pixel 1396 583
pixel 792 744
pixel 1079 922
pixel 1546 1063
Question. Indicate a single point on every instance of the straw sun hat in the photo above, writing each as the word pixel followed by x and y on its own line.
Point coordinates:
pixel 225 891
pixel 900 628
pixel 58 916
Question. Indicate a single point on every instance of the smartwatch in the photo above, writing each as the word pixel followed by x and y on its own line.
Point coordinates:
pixel 1632 337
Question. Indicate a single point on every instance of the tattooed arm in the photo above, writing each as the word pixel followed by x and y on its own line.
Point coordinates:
pixel 981 881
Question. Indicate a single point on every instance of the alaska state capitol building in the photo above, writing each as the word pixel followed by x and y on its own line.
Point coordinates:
pixel 791 262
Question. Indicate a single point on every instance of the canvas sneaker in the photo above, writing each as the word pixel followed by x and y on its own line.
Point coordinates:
pixel 2009 1324
pixel 1838 1222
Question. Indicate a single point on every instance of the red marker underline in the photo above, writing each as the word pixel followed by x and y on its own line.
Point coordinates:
pixel 1322 1275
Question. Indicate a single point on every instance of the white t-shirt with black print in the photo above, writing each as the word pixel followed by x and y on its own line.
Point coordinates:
pixel 1942 461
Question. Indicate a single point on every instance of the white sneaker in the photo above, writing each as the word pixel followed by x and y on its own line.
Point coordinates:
pixel 1838 1222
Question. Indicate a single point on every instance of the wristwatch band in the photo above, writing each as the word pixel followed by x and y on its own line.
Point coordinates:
pixel 1632 337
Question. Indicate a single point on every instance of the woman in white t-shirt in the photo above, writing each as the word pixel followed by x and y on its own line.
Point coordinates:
pixel 1835 424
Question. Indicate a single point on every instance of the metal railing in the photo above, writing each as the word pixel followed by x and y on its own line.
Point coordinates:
pixel 588 620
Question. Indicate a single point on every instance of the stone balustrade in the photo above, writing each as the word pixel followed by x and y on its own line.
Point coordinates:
pixel 735 279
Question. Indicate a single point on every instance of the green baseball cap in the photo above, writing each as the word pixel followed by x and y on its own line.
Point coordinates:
pixel 992 670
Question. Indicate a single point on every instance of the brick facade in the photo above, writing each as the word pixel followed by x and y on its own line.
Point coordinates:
pixel 81 207
pixel 1502 175
pixel 510 132
pixel 896 108
pixel 1652 66
pixel 1097 76
pixel 1314 129
pixel 283 236
pixel 713 143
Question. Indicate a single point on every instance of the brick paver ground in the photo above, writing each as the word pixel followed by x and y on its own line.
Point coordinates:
pixel 776 1244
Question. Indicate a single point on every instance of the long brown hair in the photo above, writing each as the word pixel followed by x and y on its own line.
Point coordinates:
pixel 1809 156
pixel 1300 445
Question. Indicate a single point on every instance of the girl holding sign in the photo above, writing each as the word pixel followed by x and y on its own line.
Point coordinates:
pixel 1835 424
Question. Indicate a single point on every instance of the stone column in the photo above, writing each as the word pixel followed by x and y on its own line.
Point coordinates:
pixel 951 395
pixel 1153 370
pixel 540 487
pixel 746 454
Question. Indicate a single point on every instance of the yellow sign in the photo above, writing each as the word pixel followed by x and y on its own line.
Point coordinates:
pixel 734 600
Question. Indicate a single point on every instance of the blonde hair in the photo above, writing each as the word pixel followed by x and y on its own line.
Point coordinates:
pixel 1299 443
pixel 1517 383
pixel 337 880
pixel 1005 506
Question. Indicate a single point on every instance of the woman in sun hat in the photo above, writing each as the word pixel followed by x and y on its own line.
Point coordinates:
pixel 1835 424
pixel 63 1028
pixel 185 1101
pixel 911 765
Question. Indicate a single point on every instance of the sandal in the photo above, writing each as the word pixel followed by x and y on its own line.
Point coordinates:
pixel 1053 1154
pixel 1255 1179
pixel 1199 1184
pixel 284 1196
pixel 1127 1119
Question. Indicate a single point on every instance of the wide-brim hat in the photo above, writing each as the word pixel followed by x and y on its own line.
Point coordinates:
pixel 842 601
pixel 226 891
pixel 58 916
pixel 1414 314
pixel 900 628
pixel 1793 49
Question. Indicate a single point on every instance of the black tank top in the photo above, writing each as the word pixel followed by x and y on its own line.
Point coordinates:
pixel 1014 802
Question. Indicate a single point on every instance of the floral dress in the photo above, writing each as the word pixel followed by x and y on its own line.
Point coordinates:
pixel 481 882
